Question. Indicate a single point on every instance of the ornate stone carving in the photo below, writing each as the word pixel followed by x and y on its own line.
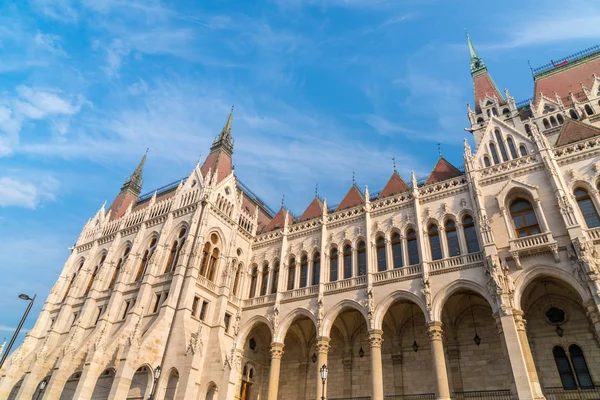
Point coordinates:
pixel 426 290
pixel 276 350
pixel 375 339
pixel 463 203
pixel 434 331
pixel 320 314
pixel 195 344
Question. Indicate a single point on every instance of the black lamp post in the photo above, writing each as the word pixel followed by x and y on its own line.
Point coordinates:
pixel 156 376
pixel 323 372
pixel 41 388
pixel 12 341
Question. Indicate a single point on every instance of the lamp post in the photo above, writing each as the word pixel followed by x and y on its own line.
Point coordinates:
pixel 156 376
pixel 41 388
pixel 323 372
pixel 12 341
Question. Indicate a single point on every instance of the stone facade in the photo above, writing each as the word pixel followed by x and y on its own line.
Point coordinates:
pixel 479 283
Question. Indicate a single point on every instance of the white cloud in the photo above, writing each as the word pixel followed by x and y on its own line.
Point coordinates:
pixel 50 43
pixel 18 193
pixel 61 10
pixel 37 103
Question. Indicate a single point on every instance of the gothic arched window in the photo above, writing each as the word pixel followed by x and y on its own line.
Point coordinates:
pixel 470 234
pixel 546 123
pixel 434 242
pixel 486 161
pixel 145 259
pixel 253 281
pixel 397 250
pixel 573 114
pixel 303 271
pixel 73 279
pixel 205 258
pixel 527 129
pixel 362 258
pixel 347 261
pixel 560 119
pixel 236 280
pixel 412 247
pixel 381 256
pixel 210 257
pixel 523 150
pixel 586 206
pixel 495 112
pixel 93 277
pixel 589 110
pixel 564 368
pixel 316 269
pixel 580 366
pixel 511 147
pixel 117 270
pixel 553 121
pixel 264 279
pixel 494 153
pixel 501 144
pixel 275 279
pixel 524 218
pixel 291 281
pixel 452 239
pixel 175 251
pixel 333 265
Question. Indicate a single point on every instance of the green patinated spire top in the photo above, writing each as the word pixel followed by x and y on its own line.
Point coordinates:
pixel 134 182
pixel 224 140
pixel 477 64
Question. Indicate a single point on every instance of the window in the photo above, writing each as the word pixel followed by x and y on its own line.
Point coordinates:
pixel 452 239
pixel 316 271
pixel 527 129
pixel 100 311
pixel 156 303
pixel 560 119
pixel 236 280
pixel 506 111
pixel 275 280
pixel 75 315
pixel 586 206
pixel 589 110
pixel 546 123
pixel 495 112
pixel 347 261
pixel 175 251
pixel 524 218
pixel 333 265
pixel 210 256
pixel 120 263
pixel 580 366
pixel 125 309
pixel 303 271
pixel 479 120
pixel 486 161
pixel 195 305
pixel 397 250
pixel 69 287
pixel 564 368
pixel 205 258
pixel 362 258
pixel 96 269
pixel 253 281
pixel 470 234
pixel 553 121
pixel 501 145
pixel 381 256
pixel 511 147
pixel 494 153
pixel 145 259
pixel 227 320
pixel 523 150
pixel 573 114
pixel 212 268
pixel 264 279
pixel 203 310
pixel 413 250
pixel 291 274
pixel 434 242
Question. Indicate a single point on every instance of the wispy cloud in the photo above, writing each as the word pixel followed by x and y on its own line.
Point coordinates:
pixel 18 193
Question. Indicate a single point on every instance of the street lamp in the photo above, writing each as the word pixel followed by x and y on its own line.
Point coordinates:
pixel 323 372
pixel 156 376
pixel 12 341
pixel 41 388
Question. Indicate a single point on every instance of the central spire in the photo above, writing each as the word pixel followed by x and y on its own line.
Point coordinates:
pixel 224 140
pixel 477 64
pixel 134 182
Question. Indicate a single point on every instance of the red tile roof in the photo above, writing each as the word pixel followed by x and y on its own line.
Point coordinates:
pixel 394 186
pixel 443 170
pixel 565 79
pixel 217 159
pixel 483 84
pixel 353 198
pixel 573 131
pixel 314 210
pixel 278 220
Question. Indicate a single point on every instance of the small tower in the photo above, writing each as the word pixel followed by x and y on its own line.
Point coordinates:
pixel 483 84
pixel 218 160
pixel 129 192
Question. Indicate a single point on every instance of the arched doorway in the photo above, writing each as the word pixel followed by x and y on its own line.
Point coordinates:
pixel 69 389
pixel 298 370
pixel 406 352
pixel 476 361
pixel 172 383
pixel 256 360
pixel 15 390
pixel 103 384
pixel 139 384
pixel 561 338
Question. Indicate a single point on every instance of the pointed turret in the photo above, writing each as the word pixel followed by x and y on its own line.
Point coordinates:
pixel 218 162
pixel 442 171
pixel 314 210
pixel 353 198
pixel 129 192
pixel 483 83
pixel 394 185
pixel 279 220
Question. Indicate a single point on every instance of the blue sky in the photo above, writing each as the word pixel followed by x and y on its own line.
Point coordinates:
pixel 320 87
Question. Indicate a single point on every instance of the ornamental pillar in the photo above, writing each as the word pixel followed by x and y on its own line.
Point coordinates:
pixel 276 353
pixel 434 330
pixel 375 342
pixel 322 348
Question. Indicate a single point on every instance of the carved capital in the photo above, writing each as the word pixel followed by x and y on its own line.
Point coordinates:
pixel 434 330
pixel 375 339
pixel 276 350
pixel 520 321
pixel 322 346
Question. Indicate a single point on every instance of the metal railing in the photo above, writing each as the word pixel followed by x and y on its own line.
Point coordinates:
pixel 575 394
pixel 422 396
pixel 565 60
pixel 483 395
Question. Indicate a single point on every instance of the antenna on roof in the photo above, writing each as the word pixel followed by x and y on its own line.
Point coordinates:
pixel 317 190
pixel 353 178
pixel 394 161
pixel 282 200
pixel 440 149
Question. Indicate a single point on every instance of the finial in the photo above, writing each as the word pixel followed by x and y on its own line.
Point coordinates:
pixel 317 190
pixel 199 159
pixel 440 149
pixel 394 161
pixel 530 68
pixel 282 200
pixel 353 178
pixel 232 107
pixel 147 150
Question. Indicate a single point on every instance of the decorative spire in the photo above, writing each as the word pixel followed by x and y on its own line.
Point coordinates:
pixel 440 149
pixel 353 178
pixel 317 190
pixel 467 148
pixel 134 182
pixel 394 161
pixel 283 200
pixel 224 140
pixel 413 179
pixel 477 64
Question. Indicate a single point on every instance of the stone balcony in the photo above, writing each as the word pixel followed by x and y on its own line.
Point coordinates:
pixel 594 235
pixel 451 264
pixel 534 244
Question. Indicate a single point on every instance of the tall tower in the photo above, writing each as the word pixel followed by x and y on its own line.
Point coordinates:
pixel 218 163
pixel 483 84
pixel 129 191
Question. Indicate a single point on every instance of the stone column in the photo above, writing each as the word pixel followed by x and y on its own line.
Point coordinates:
pixel 375 342
pixel 434 330
pixel 322 350
pixel 276 353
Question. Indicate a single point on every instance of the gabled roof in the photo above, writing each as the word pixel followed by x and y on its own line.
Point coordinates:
pixel 278 220
pixel 443 170
pixel 574 131
pixel 353 198
pixel 484 85
pixel 394 186
pixel 314 210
